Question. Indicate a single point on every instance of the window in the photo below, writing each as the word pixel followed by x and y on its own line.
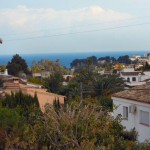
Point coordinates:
pixel 128 79
pixel 134 79
pixel 144 117
pixel 125 112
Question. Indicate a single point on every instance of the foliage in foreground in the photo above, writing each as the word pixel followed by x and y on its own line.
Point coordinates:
pixel 73 126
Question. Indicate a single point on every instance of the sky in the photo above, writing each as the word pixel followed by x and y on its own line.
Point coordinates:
pixel 62 26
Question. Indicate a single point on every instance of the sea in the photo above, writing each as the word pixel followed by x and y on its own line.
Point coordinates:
pixel 67 58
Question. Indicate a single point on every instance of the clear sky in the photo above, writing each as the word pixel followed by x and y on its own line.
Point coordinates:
pixel 45 26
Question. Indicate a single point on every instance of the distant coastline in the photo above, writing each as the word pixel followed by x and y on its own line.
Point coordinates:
pixel 67 58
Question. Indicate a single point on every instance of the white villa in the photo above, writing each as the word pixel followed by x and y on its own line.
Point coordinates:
pixel 134 106
pixel 42 74
pixel 135 57
pixel 133 77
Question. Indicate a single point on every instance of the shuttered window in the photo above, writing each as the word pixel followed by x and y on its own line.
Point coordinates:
pixel 144 117
pixel 125 112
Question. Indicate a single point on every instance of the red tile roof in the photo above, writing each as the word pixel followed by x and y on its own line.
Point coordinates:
pixel 132 73
pixel 139 93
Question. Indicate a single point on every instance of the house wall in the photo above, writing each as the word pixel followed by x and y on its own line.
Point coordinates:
pixel 147 73
pixel 130 77
pixel 36 75
pixel 34 85
pixel 133 118
pixel 45 74
pixel 67 77
pixel 145 77
pixel 128 70
pixel 45 97
pixel 139 78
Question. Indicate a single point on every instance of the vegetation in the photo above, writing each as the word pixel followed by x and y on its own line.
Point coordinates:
pixel 47 65
pixel 101 61
pixel 124 59
pixel 2 68
pixel 82 62
pixel 17 65
pixel 54 82
pixel 108 59
pixel 75 125
pixel 36 81
pixel 99 87
pixel 84 122
pixel 146 67
pixel 1 83
pixel 71 126
pixel 15 118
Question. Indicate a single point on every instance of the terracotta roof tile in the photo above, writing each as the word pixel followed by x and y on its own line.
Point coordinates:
pixel 44 97
pixel 132 73
pixel 9 85
pixel 139 93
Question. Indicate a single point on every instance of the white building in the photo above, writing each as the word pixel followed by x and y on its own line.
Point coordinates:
pixel 135 57
pixel 134 106
pixel 5 73
pixel 127 69
pixel 42 74
pixel 132 76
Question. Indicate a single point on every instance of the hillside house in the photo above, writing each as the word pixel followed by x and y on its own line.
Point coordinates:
pixel 42 74
pixel 132 76
pixel 134 107
pixel 14 84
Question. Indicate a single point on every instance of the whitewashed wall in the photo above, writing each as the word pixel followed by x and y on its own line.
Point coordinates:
pixel 128 70
pixel 131 80
pixel 133 118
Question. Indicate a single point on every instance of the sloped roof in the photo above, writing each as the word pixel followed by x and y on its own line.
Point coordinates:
pixel 44 97
pixel 139 93
pixel 132 73
pixel 11 85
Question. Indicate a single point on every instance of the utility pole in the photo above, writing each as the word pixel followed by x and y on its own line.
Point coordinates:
pixel 81 92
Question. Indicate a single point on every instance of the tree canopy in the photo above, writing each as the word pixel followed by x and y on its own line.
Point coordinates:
pixel 17 65
pixel 124 59
pixel 54 82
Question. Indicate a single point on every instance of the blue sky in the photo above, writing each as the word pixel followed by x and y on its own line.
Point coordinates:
pixel 45 26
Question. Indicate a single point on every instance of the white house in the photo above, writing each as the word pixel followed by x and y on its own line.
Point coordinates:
pixel 134 106
pixel 132 76
pixel 135 78
pixel 42 74
pixel 128 69
pixel 135 57
pixel 5 73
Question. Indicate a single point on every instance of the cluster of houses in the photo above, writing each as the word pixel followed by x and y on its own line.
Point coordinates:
pixel 133 104
pixel 15 84
pixel 140 61
pixel 134 78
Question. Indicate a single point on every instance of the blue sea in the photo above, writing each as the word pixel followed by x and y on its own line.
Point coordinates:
pixel 67 58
